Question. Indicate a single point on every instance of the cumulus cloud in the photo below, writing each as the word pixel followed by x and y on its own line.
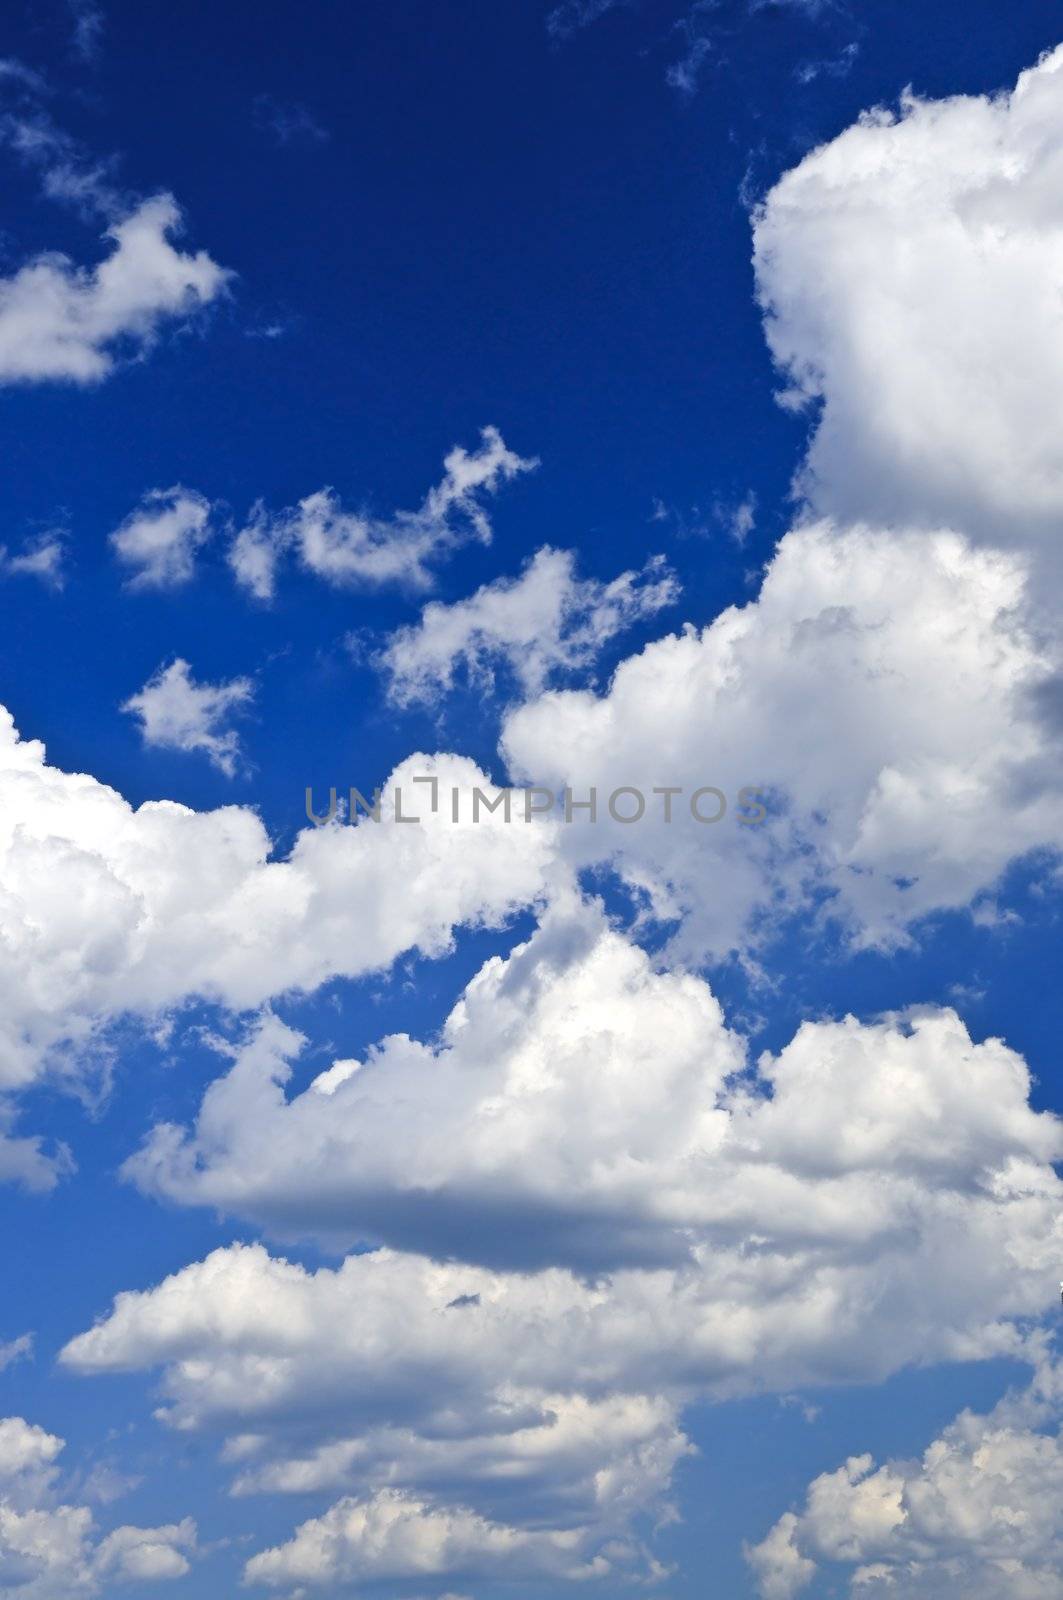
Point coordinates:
pixel 545 623
pixel 176 713
pixel 59 321
pixel 355 548
pixel 410 1408
pixel 904 1207
pixel 50 1550
pixel 161 539
pixel 978 1515
pixel 394 1535
pixel 885 694
pixel 106 911
pixel 898 1186
pixel 580 1107
pixel 910 273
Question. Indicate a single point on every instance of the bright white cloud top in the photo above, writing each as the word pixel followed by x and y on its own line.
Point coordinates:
pixel 911 273
pixel 883 688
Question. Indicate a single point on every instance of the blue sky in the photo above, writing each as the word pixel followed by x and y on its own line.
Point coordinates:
pixel 435 289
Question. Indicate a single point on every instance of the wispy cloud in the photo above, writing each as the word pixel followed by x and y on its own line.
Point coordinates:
pixel 288 122
pixel 546 623
pixel 20 1349
pixel 354 547
pixel 572 15
pixel 41 557
pixel 89 23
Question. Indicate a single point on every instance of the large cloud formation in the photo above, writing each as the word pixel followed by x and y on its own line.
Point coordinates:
pixel 107 911
pixel 894 685
pixel 883 690
pixel 668 1224
pixel 584 1208
pixel 581 1108
pixel 911 272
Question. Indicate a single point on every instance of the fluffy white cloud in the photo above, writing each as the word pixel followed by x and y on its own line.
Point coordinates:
pixel 394 1535
pixel 176 713
pixel 354 547
pixel 161 539
pixel 106 911
pixel 875 1195
pixel 60 321
pixel 890 1227
pixel 883 689
pixel 424 1393
pixel 978 1515
pixel 50 1550
pixel 140 1555
pixel 581 1108
pixel 546 622
pixel 566 1114
pixel 911 273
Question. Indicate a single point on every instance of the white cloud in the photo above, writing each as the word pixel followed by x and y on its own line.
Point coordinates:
pixel 545 623
pixel 143 1555
pixel 41 557
pixel 978 1515
pixel 19 1349
pixel 418 1396
pixel 875 1195
pixel 354 547
pixel 581 1108
pixel 106 911
pixel 176 713
pixel 50 1550
pixel 27 1161
pixel 903 1206
pixel 27 1453
pixel 911 274
pixel 432 1148
pixel 62 322
pixel 394 1535
pixel 887 692
pixel 162 538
